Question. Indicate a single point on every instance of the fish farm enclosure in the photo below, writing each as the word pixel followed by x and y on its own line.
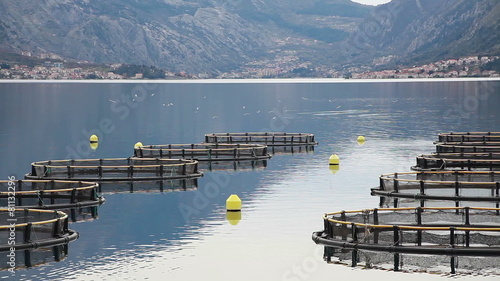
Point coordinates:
pixel 446 231
pixel 205 152
pixel 463 171
pixel 74 147
pixel 269 139
pixel 52 194
pixel 34 228
pixel 444 185
pixel 467 176
pixel 74 188
pixel 460 161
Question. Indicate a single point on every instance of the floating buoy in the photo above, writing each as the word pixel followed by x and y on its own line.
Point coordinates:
pixel 94 139
pixel 233 217
pixel 361 140
pixel 94 145
pixel 334 169
pixel 233 203
pixel 138 144
pixel 334 160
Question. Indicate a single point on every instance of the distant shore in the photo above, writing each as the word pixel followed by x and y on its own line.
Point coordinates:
pixel 251 81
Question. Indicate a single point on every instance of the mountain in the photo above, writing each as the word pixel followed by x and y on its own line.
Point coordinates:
pixel 215 36
pixel 182 35
pixel 419 31
pixel 173 34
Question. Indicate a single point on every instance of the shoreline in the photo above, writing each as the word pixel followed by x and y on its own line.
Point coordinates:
pixel 252 81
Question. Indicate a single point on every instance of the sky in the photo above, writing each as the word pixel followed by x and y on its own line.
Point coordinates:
pixel 372 2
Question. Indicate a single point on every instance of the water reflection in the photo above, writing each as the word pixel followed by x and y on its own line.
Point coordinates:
pixel 243 165
pixel 34 257
pixel 148 186
pixel 290 149
pixel 82 214
pixel 435 264
pixel 140 236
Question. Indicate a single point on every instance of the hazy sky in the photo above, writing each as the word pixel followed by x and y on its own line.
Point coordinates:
pixel 372 2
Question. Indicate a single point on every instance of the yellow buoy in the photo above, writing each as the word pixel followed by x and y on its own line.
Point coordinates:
pixel 138 144
pixel 361 140
pixel 233 203
pixel 94 145
pixel 94 139
pixel 334 160
pixel 334 169
pixel 233 217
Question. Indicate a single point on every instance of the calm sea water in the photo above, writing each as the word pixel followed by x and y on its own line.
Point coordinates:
pixel 184 235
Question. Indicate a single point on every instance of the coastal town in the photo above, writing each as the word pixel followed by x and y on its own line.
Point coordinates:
pixel 287 66
pixel 472 66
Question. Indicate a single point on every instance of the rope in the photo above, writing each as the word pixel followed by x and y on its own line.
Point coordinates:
pixel 443 166
pixel 40 199
pixel 366 235
pixel 366 216
pixel 46 171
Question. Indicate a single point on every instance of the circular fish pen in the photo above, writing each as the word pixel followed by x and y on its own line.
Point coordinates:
pixel 463 161
pixel 269 139
pixel 464 231
pixel 467 147
pixel 117 169
pixel 205 152
pixel 49 194
pixel 469 136
pixel 33 228
pixel 441 185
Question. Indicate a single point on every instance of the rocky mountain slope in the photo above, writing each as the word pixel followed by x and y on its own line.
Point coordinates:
pixel 416 31
pixel 220 35
pixel 194 36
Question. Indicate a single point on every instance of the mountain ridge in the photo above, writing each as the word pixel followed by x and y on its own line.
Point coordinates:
pixel 419 31
pixel 214 36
